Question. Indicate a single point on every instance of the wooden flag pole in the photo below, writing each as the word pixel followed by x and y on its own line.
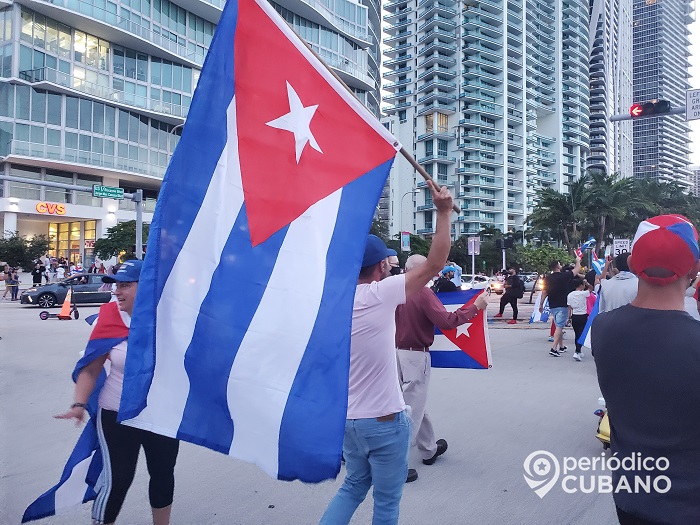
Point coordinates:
pixel 411 160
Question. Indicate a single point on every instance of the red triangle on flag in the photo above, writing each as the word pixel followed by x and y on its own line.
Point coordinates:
pixel 342 145
pixel 474 344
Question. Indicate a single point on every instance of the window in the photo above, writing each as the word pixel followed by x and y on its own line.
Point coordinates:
pixel 428 148
pixel 429 123
pixel 442 123
pixel 442 148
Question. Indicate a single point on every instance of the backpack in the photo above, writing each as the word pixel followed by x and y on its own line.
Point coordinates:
pixel 520 291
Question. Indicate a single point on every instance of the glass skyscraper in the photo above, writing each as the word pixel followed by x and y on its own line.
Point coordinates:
pixel 661 51
pixel 493 97
pixel 97 92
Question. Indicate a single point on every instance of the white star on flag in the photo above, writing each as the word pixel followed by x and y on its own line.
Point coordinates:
pixel 463 329
pixel 297 121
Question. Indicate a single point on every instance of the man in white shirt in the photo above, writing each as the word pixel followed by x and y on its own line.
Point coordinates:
pixel 377 428
pixel 621 289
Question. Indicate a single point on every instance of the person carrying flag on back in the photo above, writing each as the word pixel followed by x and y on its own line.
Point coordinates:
pixel 648 364
pixel 415 333
pixel 120 444
pixel 377 431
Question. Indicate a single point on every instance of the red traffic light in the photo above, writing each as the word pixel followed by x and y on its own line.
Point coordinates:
pixel 648 109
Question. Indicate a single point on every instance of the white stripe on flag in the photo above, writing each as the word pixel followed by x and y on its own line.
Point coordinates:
pixel 72 491
pixel 443 343
pixel 183 295
pixel 269 356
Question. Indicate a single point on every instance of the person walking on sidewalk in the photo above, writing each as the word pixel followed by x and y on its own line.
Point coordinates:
pixel 578 311
pixel 557 289
pixel 514 290
pixel 415 328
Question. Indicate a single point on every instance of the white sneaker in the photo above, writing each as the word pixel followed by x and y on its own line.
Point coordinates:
pixel 577 356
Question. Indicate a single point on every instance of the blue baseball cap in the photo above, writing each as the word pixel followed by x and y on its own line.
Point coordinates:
pixel 375 251
pixel 391 253
pixel 129 272
pixel 448 269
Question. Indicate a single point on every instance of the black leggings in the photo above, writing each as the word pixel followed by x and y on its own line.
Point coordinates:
pixel 513 301
pixel 578 322
pixel 120 445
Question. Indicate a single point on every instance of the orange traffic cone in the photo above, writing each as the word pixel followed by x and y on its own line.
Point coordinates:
pixel 64 314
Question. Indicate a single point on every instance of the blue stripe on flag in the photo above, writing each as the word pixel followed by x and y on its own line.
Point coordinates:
pixel 192 166
pixel 452 359
pixel 221 325
pixel 313 397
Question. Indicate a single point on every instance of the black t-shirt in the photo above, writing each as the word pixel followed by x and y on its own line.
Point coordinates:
pixel 36 275
pixel 557 286
pixel 515 286
pixel 648 364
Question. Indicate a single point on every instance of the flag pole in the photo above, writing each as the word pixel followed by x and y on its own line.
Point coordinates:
pixel 411 160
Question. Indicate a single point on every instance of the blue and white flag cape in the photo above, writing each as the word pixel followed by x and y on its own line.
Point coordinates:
pixel 585 338
pixel 80 475
pixel 536 316
pixel 240 338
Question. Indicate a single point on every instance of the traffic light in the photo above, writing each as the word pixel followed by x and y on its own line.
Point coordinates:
pixel 508 242
pixel 651 108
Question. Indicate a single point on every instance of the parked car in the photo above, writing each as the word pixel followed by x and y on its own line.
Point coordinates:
pixel 496 286
pixel 86 289
pixel 476 282
pixel 533 282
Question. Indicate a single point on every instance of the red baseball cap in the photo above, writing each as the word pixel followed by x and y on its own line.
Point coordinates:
pixel 669 242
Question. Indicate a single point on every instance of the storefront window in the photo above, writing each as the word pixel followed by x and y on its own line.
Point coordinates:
pixel 90 236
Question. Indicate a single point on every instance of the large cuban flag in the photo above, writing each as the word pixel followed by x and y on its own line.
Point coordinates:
pixel 537 316
pixel 585 338
pixel 240 337
pixel 466 346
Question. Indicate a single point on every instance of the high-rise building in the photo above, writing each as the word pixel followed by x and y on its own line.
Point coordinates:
pixel 695 180
pixel 96 92
pixel 661 51
pixel 611 86
pixel 492 96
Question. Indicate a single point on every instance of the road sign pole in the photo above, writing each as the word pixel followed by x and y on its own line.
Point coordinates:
pixel 138 198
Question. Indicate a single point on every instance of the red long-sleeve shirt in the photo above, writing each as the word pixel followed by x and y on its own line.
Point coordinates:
pixel 416 320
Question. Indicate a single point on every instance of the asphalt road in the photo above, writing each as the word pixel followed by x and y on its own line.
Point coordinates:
pixel 491 419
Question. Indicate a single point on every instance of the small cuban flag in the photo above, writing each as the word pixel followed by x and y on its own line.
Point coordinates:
pixel 590 243
pixel 240 339
pixel 537 316
pixel 585 338
pixel 466 346
pixel 598 265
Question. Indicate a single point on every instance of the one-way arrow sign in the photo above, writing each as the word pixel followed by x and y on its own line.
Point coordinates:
pixel 636 110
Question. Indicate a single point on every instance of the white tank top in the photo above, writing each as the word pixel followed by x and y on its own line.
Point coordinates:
pixel 111 392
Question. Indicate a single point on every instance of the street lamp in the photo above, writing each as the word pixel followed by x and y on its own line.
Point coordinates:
pixel 172 132
pixel 414 191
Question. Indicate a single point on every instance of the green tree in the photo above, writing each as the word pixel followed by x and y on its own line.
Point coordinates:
pixel 21 251
pixel 380 229
pixel 120 241
pixel 537 258
pixel 418 246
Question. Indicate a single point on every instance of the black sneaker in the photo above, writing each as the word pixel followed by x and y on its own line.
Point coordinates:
pixel 562 349
pixel 441 448
pixel 554 353
pixel 412 475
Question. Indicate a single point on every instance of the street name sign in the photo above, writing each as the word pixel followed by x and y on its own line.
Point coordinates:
pixel 107 192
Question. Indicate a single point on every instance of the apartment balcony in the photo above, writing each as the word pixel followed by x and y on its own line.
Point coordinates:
pixel 53 80
pixel 479 61
pixel 480 72
pixel 444 134
pixel 398 60
pixel 487 16
pixel 429 36
pixel 442 159
pixel 395 85
pixel 438 59
pixel 486 5
pixel 118 30
pixel 397 95
pixel 441 84
pixel 392 52
pixel 437 69
pixel 437 96
pixel 425 207
pixel 475 95
pixel 448 109
pixel 58 157
pixel 398 36
pixel 426 231
pixel 492 110
pixel 490 30
pixel 395 3
pixel 392 15
pixel 441 47
pixel 476 147
pixel 437 8
pixel 398 27
pixel 438 21
pixel 478 193
pixel 476 35
pixel 391 109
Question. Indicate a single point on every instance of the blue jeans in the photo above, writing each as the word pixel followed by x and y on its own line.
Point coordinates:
pixel 560 315
pixel 376 453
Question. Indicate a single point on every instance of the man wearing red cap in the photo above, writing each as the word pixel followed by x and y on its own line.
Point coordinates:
pixel 648 365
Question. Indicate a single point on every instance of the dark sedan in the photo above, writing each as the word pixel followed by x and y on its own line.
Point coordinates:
pixel 86 289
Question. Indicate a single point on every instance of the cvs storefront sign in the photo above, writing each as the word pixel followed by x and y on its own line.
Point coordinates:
pixel 50 208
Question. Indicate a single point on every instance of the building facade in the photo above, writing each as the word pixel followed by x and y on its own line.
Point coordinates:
pixel 96 92
pixel 661 51
pixel 492 96
pixel 695 180
pixel 611 86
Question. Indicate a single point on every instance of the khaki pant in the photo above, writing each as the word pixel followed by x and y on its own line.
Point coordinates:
pixel 414 376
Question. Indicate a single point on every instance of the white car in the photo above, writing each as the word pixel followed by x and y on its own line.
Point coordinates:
pixel 475 282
